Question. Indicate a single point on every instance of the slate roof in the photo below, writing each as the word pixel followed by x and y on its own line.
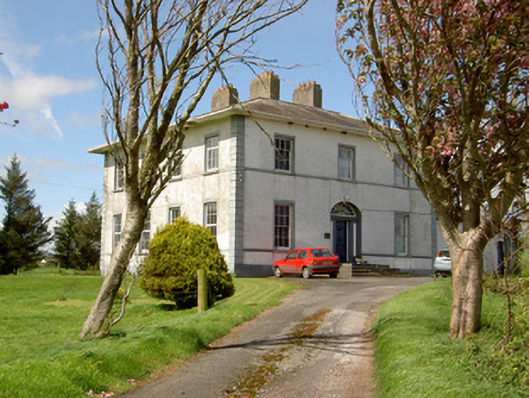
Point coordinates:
pixel 288 111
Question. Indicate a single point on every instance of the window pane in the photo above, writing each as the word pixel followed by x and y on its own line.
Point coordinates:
pixel 210 217
pixel 319 253
pixel 345 163
pixel 282 226
pixel 177 168
pixel 212 153
pixel 118 175
pixel 145 238
pixel 292 255
pixel 401 180
pixel 283 154
pixel 401 234
pixel 174 213
pixel 116 229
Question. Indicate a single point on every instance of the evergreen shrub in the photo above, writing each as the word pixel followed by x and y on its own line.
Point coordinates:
pixel 176 252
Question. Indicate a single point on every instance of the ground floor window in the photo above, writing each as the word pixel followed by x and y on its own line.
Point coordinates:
pixel 145 234
pixel 282 226
pixel 402 222
pixel 174 213
pixel 116 228
pixel 210 217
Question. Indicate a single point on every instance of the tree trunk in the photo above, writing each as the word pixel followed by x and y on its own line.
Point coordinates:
pixel 467 291
pixel 98 321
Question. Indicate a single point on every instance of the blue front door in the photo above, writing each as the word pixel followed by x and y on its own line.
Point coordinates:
pixel 341 228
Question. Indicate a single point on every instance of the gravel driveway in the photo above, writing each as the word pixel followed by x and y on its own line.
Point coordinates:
pixel 313 345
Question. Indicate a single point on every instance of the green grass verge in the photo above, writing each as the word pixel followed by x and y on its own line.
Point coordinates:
pixel 415 357
pixel 42 313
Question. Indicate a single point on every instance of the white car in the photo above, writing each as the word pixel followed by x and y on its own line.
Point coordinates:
pixel 442 264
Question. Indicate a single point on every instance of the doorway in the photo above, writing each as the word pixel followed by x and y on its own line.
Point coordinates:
pixel 346 221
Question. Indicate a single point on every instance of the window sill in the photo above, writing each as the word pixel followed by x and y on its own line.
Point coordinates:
pixel 210 172
pixel 285 172
pixel 118 190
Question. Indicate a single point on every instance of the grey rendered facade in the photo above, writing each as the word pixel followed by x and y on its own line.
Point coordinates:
pixel 267 175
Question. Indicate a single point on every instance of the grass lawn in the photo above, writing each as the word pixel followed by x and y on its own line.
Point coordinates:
pixel 416 358
pixel 42 312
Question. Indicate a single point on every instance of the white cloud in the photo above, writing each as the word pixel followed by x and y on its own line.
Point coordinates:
pixel 31 92
pixel 30 95
pixel 87 35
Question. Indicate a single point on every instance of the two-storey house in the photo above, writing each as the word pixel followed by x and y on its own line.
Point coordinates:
pixel 266 175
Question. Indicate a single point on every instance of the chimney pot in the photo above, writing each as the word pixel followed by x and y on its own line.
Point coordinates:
pixel 309 94
pixel 265 86
pixel 224 97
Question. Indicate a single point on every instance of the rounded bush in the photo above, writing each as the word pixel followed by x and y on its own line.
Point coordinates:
pixel 175 254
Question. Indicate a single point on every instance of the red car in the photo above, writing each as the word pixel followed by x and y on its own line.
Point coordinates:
pixel 308 261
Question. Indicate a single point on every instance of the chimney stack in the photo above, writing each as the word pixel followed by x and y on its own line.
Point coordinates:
pixel 224 97
pixel 308 94
pixel 265 86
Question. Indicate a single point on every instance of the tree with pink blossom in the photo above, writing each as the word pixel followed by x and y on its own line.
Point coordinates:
pixel 444 84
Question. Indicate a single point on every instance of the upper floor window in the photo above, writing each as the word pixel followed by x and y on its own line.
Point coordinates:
pixel 116 229
pixel 284 154
pixel 210 217
pixel 119 175
pixel 346 162
pixel 282 225
pixel 174 213
pixel 175 165
pixel 145 237
pixel 212 153
pixel 177 168
pixel 400 178
pixel 402 223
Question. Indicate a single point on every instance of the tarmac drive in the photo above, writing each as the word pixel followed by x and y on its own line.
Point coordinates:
pixel 315 344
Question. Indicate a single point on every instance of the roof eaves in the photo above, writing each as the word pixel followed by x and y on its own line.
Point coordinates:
pixel 313 123
pixel 103 148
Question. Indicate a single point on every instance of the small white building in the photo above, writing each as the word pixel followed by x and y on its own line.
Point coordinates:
pixel 266 175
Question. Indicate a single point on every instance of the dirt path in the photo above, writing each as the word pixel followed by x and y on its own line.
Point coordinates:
pixel 313 345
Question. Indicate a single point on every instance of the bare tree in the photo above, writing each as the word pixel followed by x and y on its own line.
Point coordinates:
pixel 445 86
pixel 156 59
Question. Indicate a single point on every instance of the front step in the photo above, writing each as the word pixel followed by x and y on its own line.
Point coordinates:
pixel 377 270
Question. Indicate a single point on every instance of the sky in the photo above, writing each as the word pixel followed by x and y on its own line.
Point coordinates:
pixel 48 77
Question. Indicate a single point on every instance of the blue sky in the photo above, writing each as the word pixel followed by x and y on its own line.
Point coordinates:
pixel 49 79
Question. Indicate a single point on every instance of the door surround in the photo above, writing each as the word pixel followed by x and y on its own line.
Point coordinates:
pixel 348 214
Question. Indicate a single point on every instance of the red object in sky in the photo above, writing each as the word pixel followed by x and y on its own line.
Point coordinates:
pixel 3 106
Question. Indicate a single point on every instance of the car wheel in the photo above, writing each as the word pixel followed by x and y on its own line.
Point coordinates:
pixel 333 275
pixel 305 272
pixel 277 272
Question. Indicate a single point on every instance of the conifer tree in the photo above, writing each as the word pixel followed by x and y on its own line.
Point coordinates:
pixel 25 229
pixel 66 236
pixel 89 230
